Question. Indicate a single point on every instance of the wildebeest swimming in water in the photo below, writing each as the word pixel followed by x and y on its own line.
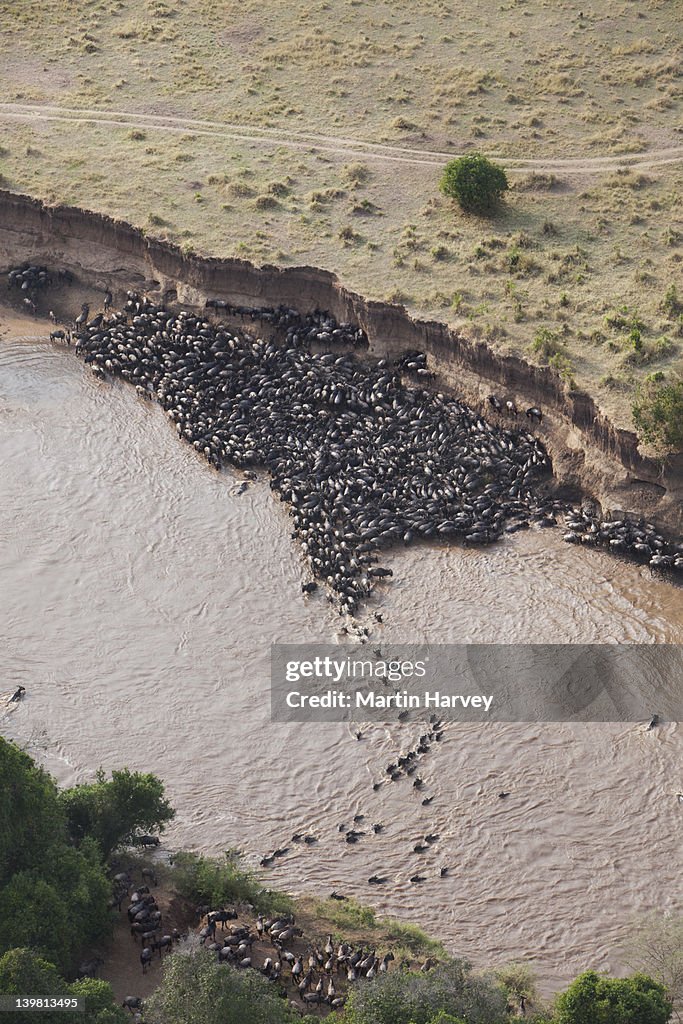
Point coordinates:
pixel 363 461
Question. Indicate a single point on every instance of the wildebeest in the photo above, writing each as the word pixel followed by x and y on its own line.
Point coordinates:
pixel 90 968
pixel 221 916
pixel 165 942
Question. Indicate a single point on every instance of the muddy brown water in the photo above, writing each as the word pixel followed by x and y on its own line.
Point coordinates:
pixel 140 594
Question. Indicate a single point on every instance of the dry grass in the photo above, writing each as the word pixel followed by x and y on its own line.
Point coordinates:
pixel 542 82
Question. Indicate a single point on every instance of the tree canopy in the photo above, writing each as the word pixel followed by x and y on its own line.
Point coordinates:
pixel 475 182
pixel 53 897
pixel 596 999
pixel 114 812
pixel 405 997
pixel 195 987
pixel 53 887
pixel 24 972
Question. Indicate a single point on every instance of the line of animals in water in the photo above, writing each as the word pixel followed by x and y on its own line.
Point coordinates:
pixel 402 766
pixel 363 459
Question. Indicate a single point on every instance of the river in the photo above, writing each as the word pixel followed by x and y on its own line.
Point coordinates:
pixel 140 595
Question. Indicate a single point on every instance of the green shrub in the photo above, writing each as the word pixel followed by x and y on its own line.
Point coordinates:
pixel 546 344
pixel 195 987
pixel 565 368
pixel 223 880
pixel 22 971
pixel 671 304
pixel 519 983
pixel 476 183
pixel 623 319
pixel 596 999
pixel 658 413
pixel 636 339
pixel 404 997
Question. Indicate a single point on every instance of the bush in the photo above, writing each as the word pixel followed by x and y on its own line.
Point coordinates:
pixel 546 344
pixel 113 813
pixel 195 987
pixel 671 304
pixel 23 972
pixel 658 413
pixel 405 997
pixel 518 982
pixel 624 318
pixel 100 1004
pixel 596 999
pixel 218 881
pixel 475 183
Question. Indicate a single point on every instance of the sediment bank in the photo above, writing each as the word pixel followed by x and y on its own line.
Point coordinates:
pixel 589 452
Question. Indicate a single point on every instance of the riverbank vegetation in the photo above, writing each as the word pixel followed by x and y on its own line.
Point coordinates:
pixel 220 880
pixel 257 131
pixel 55 887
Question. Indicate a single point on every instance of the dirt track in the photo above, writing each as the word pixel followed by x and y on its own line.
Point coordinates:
pixel 328 143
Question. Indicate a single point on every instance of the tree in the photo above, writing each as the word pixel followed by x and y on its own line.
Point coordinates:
pixel 53 898
pixel 30 817
pixel 596 999
pixel 656 947
pixel 475 182
pixel 658 413
pixel 405 997
pixel 100 1004
pixel 23 972
pixel 195 987
pixel 113 812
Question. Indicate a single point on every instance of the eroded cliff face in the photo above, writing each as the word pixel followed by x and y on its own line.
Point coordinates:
pixel 589 452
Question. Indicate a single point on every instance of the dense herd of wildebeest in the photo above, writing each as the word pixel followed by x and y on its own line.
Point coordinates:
pixel 364 455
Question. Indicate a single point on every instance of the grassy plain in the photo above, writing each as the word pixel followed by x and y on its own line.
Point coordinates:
pixel 577 268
